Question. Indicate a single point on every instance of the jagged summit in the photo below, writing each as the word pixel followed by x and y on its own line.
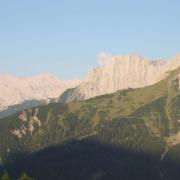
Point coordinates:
pixel 15 90
pixel 121 72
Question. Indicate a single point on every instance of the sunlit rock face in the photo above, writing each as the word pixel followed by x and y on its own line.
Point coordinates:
pixel 121 72
pixel 16 90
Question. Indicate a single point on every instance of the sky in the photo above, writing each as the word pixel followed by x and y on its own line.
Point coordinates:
pixel 65 37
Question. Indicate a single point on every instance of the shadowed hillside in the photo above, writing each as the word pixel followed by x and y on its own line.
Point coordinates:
pixel 87 159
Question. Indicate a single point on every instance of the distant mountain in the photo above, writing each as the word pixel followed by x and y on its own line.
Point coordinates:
pixel 25 105
pixel 130 134
pixel 121 72
pixel 16 91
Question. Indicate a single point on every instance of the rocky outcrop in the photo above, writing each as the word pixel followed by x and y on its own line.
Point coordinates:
pixel 121 72
pixel 29 123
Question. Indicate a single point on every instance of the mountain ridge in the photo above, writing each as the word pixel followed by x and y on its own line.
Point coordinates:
pixel 16 90
pixel 121 72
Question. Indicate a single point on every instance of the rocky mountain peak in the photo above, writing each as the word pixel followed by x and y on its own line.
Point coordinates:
pixel 122 72
pixel 15 90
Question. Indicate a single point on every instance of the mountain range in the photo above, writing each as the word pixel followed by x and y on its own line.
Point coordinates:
pixel 17 93
pixel 118 73
pixel 121 122
pixel 130 134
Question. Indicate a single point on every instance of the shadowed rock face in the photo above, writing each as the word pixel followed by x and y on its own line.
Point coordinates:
pixel 121 72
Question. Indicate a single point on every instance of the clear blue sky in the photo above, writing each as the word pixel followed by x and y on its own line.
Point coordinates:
pixel 65 36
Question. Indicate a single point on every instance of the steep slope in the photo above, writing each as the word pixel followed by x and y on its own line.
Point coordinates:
pixel 16 90
pixel 130 127
pixel 121 72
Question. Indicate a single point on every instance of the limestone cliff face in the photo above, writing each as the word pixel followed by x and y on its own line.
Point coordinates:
pixel 121 72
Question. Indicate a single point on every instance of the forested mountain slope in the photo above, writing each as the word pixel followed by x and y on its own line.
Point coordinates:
pixel 131 134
